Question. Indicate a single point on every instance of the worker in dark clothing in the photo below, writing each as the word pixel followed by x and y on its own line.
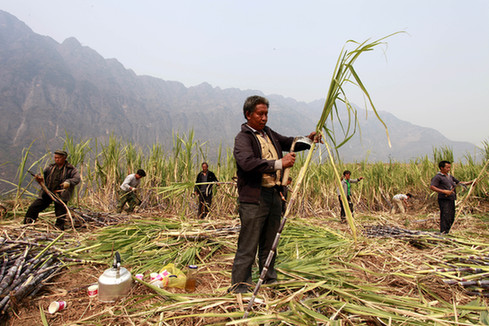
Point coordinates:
pixel 204 191
pixel 258 151
pixel 445 184
pixel 60 178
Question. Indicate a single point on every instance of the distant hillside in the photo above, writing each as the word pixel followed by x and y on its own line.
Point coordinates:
pixel 408 141
pixel 47 88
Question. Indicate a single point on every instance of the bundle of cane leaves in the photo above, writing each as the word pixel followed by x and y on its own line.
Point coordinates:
pixel 148 245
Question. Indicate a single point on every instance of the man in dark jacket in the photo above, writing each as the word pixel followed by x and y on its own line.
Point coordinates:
pixel 204 191
pixel 60 178
pixel 258 153
pixel 444 184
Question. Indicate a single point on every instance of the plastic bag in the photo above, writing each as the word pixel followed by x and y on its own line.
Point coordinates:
pixel 176 278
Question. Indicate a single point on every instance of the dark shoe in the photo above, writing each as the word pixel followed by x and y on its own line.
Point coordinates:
pixel 239 288
pixel 29 220
pixel 60 225
pixel 270 281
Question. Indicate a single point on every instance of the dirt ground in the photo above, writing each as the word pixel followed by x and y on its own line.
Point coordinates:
pixel 72 283
pixel 71 286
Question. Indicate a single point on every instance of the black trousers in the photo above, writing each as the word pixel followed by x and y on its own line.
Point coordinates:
pixel 259 226
pixel 40 204
pixel 350 204
pixel 204 205
pixel 447 214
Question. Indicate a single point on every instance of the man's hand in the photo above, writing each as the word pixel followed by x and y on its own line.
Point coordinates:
pixel 39 178
pixel 288 160
pixel 65 185
pixel 315 137
pixel 448 192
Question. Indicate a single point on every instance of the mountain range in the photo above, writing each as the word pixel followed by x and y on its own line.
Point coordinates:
pixel 48 89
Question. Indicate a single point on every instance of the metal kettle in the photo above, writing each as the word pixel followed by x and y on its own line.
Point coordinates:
pixel 115 282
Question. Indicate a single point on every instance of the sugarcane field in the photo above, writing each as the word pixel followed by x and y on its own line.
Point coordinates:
pixel 377 268
pixel 132 237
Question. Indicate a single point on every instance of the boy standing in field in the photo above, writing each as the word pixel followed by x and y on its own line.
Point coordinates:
pixel 346 184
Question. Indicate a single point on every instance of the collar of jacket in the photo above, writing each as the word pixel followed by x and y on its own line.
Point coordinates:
pixel 247 129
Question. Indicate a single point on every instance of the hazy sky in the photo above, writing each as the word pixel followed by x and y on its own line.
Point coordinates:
pixel 435 75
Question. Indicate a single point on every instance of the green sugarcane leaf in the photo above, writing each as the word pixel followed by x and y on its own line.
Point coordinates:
pixel 43 316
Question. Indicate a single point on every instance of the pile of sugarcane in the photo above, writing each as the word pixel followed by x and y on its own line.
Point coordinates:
pixel 26 263
pixel 467 265
pixel 390 231
pixel 475 280
pixel 471 272
pixel 97 218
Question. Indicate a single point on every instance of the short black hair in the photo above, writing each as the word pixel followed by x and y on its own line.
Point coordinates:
pixel 205 164
pixel 346 172
pixel 141 173
pixel 251 102
pixel 409 195
pixel 443 163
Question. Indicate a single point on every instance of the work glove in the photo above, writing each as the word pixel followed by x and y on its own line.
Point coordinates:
pixel 65 185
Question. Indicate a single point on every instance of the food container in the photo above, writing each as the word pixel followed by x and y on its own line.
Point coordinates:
pixel 93 290
pixel 56 306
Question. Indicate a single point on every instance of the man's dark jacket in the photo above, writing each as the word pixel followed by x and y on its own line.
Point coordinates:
pixel 211 177
pixel 69 174
pixel 247 152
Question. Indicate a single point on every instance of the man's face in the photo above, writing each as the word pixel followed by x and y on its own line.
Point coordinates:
pixel 59 159
pixel 446 168
pixel 205 167
pixel 258 118
pixel 347 176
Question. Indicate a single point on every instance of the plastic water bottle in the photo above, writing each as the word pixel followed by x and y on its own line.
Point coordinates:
pixel 191 278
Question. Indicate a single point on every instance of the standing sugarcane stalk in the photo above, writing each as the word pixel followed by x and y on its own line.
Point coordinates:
pixel 471 189
pixel 344 200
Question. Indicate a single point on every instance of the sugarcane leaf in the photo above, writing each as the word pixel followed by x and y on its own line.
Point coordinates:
pixel 43 316
pixel 484 318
